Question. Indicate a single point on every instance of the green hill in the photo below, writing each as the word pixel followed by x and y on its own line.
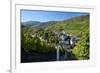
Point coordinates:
pixel 72 26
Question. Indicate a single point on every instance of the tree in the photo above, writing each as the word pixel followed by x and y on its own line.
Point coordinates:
pixel 27 42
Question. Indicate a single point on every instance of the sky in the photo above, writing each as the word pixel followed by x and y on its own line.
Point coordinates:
pixel 44 16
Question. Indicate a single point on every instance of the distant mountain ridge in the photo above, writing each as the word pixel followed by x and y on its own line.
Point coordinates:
pixel 41 24
pixel 37 23
pixel 30 23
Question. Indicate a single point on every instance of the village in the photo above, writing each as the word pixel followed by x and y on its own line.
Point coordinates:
pixel 65 41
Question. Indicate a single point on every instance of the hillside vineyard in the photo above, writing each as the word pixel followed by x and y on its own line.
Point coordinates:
pixel 55 40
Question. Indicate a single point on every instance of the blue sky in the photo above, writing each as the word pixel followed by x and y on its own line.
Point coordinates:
pixel 44 16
